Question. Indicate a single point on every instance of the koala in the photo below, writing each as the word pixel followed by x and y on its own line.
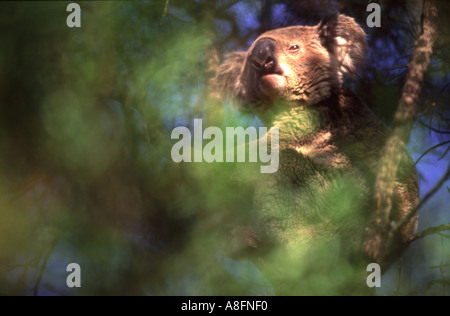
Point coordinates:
pixel 310 218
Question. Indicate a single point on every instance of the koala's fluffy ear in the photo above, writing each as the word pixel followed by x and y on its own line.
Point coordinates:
pixel 229 72
pixel 346 40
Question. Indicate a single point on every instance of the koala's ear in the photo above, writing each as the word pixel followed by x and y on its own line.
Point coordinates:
pixel 228 74
pixel 346 40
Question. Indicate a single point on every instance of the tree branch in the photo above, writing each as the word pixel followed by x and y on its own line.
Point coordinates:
pixel 166 7
pixel 413 213
pixel 379 229
pixel 432 128
pixel 430 149
pixel 43 266
pixel 430 231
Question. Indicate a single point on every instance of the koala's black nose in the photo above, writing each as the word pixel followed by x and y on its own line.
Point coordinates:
pixel 262 57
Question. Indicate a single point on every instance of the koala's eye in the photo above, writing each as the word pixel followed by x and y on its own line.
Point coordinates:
pixel 294 48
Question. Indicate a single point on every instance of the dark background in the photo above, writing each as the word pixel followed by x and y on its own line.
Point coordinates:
pixel 86 116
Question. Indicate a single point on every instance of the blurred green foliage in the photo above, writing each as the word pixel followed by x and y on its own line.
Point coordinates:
pixel 85 170
pixel 86 117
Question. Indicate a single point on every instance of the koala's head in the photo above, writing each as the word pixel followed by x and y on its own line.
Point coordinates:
pixel 300 63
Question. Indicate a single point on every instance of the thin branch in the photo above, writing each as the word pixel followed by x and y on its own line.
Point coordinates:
pixel 441 266
pixel 15 266
pixel 443 118
pixel 434 282
pixel 33 263
pixel 436 188
pixel 166 7
pixel 444 235
pixel 443 89
pixel 423 201
pixel 430 149
pixel 44 265
pixel 430 231
pixel 433 129
pixel 445 153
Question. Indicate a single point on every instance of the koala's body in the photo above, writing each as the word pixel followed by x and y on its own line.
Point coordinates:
pixel 310 216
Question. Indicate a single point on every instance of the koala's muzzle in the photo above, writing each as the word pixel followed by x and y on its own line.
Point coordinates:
pixel 268 72
pixel 263 58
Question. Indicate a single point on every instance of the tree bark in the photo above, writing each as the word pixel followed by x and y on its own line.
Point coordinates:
pixel 380 228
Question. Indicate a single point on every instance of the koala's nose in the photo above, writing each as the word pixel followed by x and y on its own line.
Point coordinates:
pixel 263 56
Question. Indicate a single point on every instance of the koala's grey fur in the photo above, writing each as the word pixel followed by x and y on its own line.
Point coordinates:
pixel 330 144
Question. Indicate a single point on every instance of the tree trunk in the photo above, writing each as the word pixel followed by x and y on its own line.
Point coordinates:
pixel 381 230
